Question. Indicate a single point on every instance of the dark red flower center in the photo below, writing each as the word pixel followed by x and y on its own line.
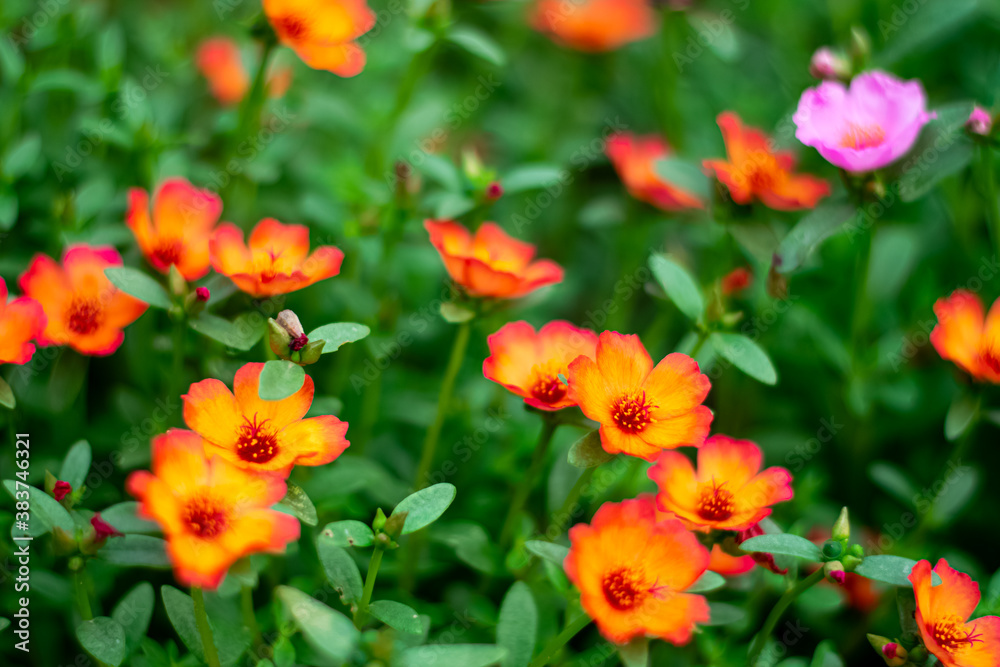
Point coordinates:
pixel 168 252
pixel 205 516
pixel 623 588
pixel 632 412
pixel 951 634
pixel 84 316
pixel 715 502
pixel 990 359
pixel 546 385
pixel 298 342
pixel 256 443
pixel 292 28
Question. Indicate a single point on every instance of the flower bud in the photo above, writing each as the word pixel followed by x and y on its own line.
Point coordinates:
pixel 494 191
pixel 394 525
pixel 834 571
pixel 61 490
pixel 202 294
pixel 893 654
pixel 195 302
pixel 278 339
pixel 178 286
pixel 379 523
pixel 980 121
pixel 861 45
pixel 842 527
pixel 851 562
pixel 829 64
pixel 832 549
pixel 309 354
pixel 736 280
pixel 103 529
pixel 289 321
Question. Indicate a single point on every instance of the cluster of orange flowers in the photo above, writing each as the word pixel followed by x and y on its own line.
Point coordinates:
pixel 211 488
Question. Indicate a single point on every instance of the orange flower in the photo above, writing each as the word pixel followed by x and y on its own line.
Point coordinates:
pixel 277 260
pixel 529 363
pixel 641 409
pixel 83 309
pixel 178 233
pixel 594 25
pixel 322 32
pixel 755 171
pixel 491 263
pixel 966 335
pixel 264 436
pixel 729 566
pixel 220 62
pixel 727 493
pixel 632 572
pixel 634 158
pixel 212 512
pixel 21 321
pixel 942 617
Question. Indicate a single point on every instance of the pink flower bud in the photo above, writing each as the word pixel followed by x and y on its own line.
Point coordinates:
pixel 103 529
pixel 61 490
pixel 202 294
pixel 494 191
pixel 890 650
pixel 980 121
pixel 839 577
pixel 827 64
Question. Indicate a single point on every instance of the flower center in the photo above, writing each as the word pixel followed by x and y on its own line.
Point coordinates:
pixel 951 635
pixel 84 316
pixel 862 136
pixel 990 359
pixel 546 385
pixel 623 588
pixel 715 502
pixel 256 443
pixel 631 412
pixel 762 171
pixel 168 252
pixel 205 516
pixel 292 28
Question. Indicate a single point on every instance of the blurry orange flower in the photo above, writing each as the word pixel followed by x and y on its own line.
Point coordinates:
pixel 594 25
pixel 967 336
pixel 942 617
pixel 729 566
pixel 491 263
pixel 21 321
pixel 220 61
pixel 727 493
pixel 276 261
pixel 755 171
pixel 322 32
pixel 181 225
pixel 83 309
pixel 632 572
pixel 634 158
pixel 736 280
pixel 529 363
pixel 264 436
pixel 211 512
pixel 641 409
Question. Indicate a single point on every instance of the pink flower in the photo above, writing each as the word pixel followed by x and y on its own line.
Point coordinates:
pixel 864 127
pixel 980 121
pixel 828 64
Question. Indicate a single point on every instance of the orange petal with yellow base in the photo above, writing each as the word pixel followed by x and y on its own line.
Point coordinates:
pixel 727 492
pixel 632 571
pixel 322 32
pixel 21 321
pixel 211 512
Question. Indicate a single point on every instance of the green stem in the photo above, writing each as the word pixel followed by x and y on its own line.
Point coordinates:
pixel 254 100
pixel 549 426
pixel 990 186
pixel 81 594
pixel 361 615
pixel 177 366
pixel 204 629
pixel 779 608
pixel 444 398
pixel 560 640
pixel 669 77
pixel 702 337
pixel 250 621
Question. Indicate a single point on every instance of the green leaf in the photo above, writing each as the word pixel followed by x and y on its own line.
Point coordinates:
pixel 76 465
pixel 685 175
pixel 906 605
pixel 893 481
pixel 784 543
pixel 45 512
pixel 425 506
pixel 138 284
pixel 893 570
pixel 709 581
pixel 532 177
pixel 327 631
pixel 635 653
pixel 125 518
pixel 587 452
pixel 397 616
pixel 104 639
pixel 299 504
pixel 451 655
pixel 961 415
pixel 942 149
pixel 341 571
pixel 230 642
pixel 456 314
pixel 8 209
pixel 339 334
pixel 349 534
pixel 21 156
pixel 451 205
pixel 517 627
pixel 135 551
pixel 679 285
pixel 921 27
pixel 960 485
pixel 746 355
pixel 280 379
pixel 471 543
pixel 810 232
pixel 240 334
pixel 7 399
pixel 550 551
pixel 721 613
pixel 477 43
pixel 826 655
pixel 3 624
pixel 442 171
pixel 133 612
